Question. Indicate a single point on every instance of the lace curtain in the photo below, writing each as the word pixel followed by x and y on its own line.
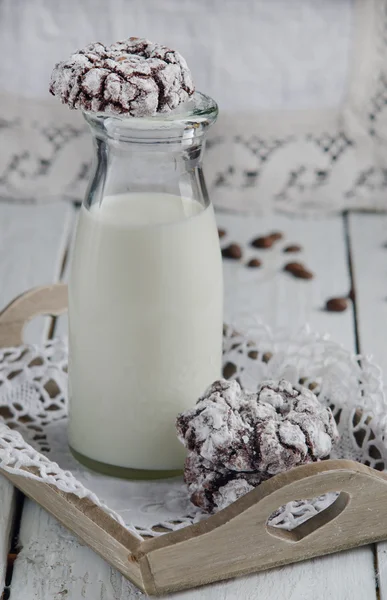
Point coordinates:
pixel 321 66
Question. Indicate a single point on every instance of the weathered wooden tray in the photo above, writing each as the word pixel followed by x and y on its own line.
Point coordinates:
pixel 235 541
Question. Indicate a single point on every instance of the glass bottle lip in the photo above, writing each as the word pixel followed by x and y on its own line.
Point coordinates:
pixel 199 112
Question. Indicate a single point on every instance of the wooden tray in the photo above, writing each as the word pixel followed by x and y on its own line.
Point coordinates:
pixel 235 541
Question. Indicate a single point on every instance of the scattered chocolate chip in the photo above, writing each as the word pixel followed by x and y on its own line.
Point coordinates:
pixel 254 263
pixel 336 304
pixel 253 354
pixel 263 242
pixel 266 357
pixel 233 251
pixel 276 235
pixel 292 248
pixel 298 270
pixel 312 386
pixel 221 233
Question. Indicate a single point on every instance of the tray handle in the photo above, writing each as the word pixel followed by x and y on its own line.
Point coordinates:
pixel 44 300
pixel 238 540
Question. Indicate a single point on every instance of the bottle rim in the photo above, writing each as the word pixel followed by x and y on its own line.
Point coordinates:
pixel 199 110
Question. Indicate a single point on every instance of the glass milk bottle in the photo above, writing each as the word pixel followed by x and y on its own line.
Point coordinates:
pixel 145 292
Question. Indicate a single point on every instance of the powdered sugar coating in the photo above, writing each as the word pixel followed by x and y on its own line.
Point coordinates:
pixel 214 488
pixel 237 439
pixel 299 431
pixel 275 429
pixel 134 77
pixel 216 428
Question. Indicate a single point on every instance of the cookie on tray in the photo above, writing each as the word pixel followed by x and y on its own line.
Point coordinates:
pixel 238 439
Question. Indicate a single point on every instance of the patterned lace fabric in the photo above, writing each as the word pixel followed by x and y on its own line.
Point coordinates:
pixel 33 409
pixel 314 161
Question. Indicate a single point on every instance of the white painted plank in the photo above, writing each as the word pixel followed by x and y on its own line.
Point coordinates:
pixel 30 245
pixel 368 233
pixel 277 297
pixel 61 326
pixel 53 564
pixel 7 509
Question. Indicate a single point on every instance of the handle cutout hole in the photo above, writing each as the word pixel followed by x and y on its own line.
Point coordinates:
pixel 310 524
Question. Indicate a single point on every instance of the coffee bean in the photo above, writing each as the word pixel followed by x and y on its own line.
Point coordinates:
pixel 263 242
pixel 276 235
pixel 266 241
pixel 304 380
pixel 298 270
pixel 303 274
pixel 233 251
pixel 221 233
pixel 292 248
pixel 266 357
pixel 229 370
pixel 336 304
pixel 253 354
pixel 254 263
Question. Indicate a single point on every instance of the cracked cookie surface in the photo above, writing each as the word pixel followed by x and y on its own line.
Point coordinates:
pixel 237 439
pixel 134 77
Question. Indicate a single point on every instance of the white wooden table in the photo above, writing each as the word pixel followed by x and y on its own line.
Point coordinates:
pixel 39 560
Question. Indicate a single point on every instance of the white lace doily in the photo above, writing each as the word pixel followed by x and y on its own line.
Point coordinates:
pixel 33 408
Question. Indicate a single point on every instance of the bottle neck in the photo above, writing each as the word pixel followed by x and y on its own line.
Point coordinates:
pixel 155 155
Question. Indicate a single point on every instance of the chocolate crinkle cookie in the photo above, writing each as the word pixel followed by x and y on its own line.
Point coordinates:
pixel 134 77
pixel 238 439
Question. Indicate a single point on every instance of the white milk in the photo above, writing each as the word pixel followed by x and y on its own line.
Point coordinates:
pixel 145 307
